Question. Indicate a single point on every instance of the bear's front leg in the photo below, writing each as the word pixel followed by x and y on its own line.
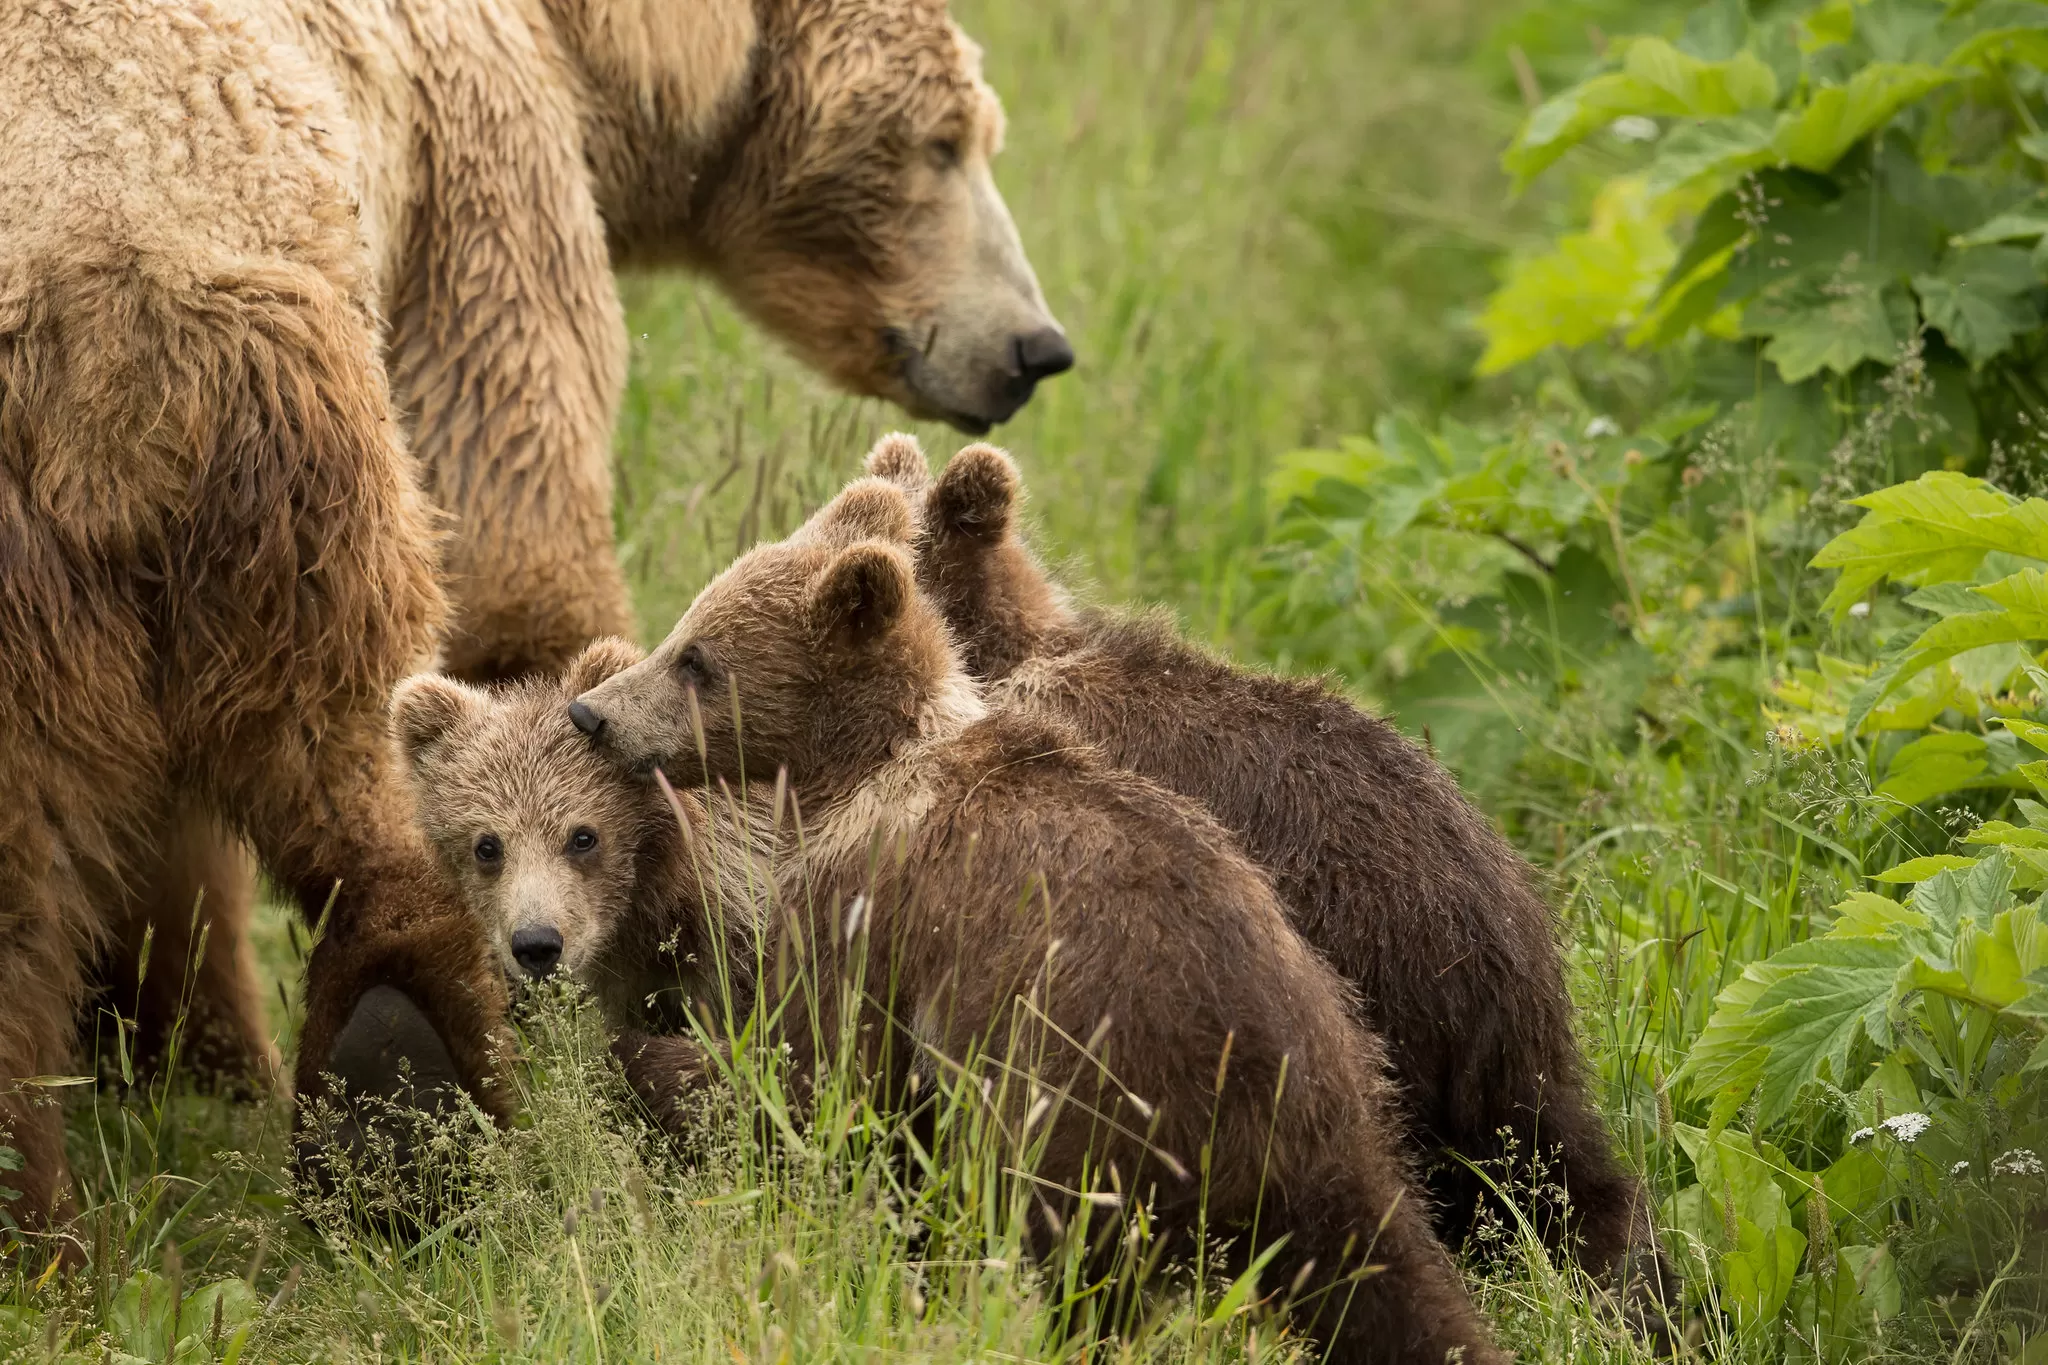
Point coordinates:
pixel 303 587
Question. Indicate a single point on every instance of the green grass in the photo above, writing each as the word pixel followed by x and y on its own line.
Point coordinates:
pixel 1263 223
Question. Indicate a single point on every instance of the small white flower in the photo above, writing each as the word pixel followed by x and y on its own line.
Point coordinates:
pixel 2018 1161
pixel 1634 128
pixel 1859 608
pixel 1960 1168
pixel 1861 1136
pixel 1602 426
pixel 1906 1127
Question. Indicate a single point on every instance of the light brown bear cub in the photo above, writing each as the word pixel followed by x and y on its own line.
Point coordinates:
pixel 1026 900
pixel 1389 872
pixel 569 865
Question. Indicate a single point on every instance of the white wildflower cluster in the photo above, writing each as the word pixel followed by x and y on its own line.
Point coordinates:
pixel 1906 1127
pixel 2017 1162
pixel 1861 1136
pixel 1960 1168
pixel 1602 426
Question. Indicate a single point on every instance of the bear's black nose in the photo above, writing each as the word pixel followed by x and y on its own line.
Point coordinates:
pixel 585 719
pixel 537 950
pixel 1044 353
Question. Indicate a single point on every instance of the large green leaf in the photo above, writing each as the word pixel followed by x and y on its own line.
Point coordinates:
pixel 1981 299
pixel 1970 895
pixel 1933 765
pixel 1657 80
pixel 1586 285
pixel 1837 117
pixel 1937 528
pixel 1712 149
pixel 1806 1006
pixel 1833 321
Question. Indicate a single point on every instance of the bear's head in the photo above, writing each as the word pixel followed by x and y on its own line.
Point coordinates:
pixel 972 562
pixel 542 837
pixel 815 654
pixel 828 162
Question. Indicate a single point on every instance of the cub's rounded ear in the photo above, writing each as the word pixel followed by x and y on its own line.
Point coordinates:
pixel 862 594
pixel 898 458
pixel 866 509
pixel 975 495
pixel 426 707
pixel 600 659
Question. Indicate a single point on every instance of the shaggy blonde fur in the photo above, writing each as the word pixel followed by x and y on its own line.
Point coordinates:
pixel 272 269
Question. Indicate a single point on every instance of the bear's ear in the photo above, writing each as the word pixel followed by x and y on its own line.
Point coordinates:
pixel 898 458
pixel 866 509
pixel 600 659
pixel 974 495
pixel 426 706
pixel 862 594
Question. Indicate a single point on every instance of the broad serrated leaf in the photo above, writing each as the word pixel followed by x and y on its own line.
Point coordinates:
pixel 1922 869
pixel 1987 968
pixel 1656 80
pixel 1972 894
pixel 1807 1004
pixel 1866 914
pixel 1586 285
pixel 1981 299
pixel 1837 117
pixel 2002 834
pixel 1931 766
pixel 1711 149
pixel 1937 528
pixel 1834 321
pixel 2025 592
pixel 1948 599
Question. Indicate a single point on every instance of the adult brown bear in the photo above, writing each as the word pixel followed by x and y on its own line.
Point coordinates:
pixel 276 276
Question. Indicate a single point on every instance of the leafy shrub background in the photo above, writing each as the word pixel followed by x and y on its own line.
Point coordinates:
pixel 1810 266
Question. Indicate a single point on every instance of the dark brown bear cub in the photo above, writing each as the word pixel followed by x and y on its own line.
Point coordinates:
pixel 1026 901
pixel 1388 870
pixel 569 866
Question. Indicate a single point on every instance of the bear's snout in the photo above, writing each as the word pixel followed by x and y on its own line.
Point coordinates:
pixel 537 949
pixel 585 718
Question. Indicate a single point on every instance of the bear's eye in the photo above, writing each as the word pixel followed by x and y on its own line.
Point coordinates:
pixel 583 840
pixel 693 665
pixel 943 153
pixel 489 852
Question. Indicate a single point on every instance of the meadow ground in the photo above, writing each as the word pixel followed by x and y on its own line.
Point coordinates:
pixel 1264 223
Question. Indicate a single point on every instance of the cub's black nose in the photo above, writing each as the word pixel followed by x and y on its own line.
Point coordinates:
pixel 1044 353
pixel 585 719
pixel 537 950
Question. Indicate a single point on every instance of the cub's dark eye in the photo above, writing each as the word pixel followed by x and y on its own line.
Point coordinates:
pixel 693 665
pixel 583 840
pixel 943 153
pixel 489 852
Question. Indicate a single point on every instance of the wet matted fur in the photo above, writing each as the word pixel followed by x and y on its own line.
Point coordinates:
pixel 265 265
pixel 1011 895
pixel 1388 870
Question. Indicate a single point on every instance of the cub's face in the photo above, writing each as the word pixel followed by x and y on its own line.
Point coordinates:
pixel 812 654
pixel 862 223
pixel 539 833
